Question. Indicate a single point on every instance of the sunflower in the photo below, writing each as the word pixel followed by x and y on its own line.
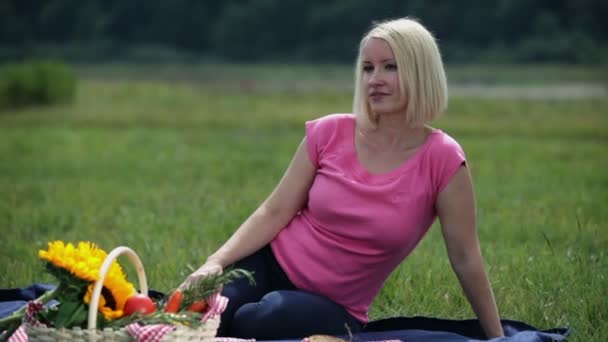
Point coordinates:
pixel 84 261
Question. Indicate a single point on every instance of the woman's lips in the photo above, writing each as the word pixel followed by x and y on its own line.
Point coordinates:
pixel 377 96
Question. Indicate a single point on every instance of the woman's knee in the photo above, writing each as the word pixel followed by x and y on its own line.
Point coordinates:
pixel 256 320
pixel 238 293
pixel 290 314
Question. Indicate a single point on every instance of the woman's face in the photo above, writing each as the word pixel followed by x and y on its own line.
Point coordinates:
pixel 381 78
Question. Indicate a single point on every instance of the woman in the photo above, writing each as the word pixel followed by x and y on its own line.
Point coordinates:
pixel 361 191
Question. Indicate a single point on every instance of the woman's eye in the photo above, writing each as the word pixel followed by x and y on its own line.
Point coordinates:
pixel 391 67
pixel 368 68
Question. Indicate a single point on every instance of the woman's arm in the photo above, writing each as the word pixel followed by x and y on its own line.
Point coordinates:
pixel 289 196
pixel 456 209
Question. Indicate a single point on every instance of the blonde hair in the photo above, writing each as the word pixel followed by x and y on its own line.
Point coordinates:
pixel 421 75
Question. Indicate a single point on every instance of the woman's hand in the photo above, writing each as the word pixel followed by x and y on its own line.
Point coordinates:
pixel 208 268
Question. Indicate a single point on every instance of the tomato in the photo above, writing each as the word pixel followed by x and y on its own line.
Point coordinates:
pixel 198 306
pixel 139 303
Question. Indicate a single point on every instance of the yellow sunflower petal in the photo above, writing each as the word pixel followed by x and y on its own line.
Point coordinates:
pixel 84 261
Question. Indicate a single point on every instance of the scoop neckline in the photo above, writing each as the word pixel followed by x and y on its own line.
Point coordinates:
pixel 362 171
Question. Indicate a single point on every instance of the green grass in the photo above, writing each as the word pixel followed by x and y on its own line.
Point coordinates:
pixel 337 75
pixel 171 170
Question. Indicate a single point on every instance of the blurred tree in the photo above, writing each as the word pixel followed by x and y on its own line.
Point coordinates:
pixel 63 21
pixel 130 20
pixel 468 30
pixel 588 17
pixel 11 28
pixel 259 29
pixel 334 28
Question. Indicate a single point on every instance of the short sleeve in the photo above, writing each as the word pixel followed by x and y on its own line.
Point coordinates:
pixel 448 156
pixel 319 133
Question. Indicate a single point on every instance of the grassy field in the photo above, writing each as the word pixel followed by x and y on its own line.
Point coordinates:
pixel 269 72
pixel 171 168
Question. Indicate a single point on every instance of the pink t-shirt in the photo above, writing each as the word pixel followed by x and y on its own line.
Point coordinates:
pixel 356 226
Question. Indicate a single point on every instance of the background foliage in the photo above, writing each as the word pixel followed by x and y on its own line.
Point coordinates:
pixel 36 83
pixel 504 31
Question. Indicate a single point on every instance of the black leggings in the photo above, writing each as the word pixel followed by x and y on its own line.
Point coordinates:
pixel 275 309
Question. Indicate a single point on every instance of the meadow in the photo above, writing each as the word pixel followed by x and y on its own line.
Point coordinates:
pixel 169 162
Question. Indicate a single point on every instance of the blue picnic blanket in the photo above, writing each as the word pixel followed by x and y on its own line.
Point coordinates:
pixel 407 329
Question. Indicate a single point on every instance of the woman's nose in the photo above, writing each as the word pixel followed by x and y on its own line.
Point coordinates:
pixel 375 78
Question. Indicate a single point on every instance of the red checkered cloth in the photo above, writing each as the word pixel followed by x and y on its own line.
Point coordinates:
pixel 19 335
pixel 30 310
pixel 155 332
pixel 149 332
pixel 143 333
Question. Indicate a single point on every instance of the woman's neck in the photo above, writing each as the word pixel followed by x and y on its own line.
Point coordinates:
pixel 393 133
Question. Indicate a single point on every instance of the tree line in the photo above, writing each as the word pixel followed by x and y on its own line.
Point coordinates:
pixel 296 30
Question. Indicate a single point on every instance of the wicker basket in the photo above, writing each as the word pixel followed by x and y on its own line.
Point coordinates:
pixel 206 332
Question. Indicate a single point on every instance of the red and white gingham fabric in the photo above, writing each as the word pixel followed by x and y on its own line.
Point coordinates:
pixel 155 332
pixel 19 335
pixel 149 332
pixel 30 310
pixel 217 304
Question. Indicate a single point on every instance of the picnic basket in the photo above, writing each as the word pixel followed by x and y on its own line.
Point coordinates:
pixel 206 332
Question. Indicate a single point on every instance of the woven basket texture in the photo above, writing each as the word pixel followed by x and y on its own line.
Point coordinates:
pixel 205 333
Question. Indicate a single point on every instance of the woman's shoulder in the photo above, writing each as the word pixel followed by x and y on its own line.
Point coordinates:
pixel 442 141
pixel 444 158
pixel 325 133
pixel 336 118
pixel 331 124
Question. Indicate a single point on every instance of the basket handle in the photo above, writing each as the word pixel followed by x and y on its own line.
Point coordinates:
pixel 103 271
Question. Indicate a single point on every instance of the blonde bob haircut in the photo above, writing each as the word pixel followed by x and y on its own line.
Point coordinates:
pixel 421 75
